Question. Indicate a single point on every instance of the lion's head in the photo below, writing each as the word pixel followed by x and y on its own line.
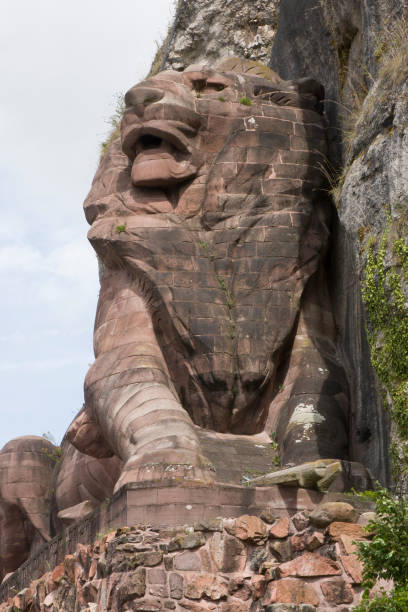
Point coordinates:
pixel 187 137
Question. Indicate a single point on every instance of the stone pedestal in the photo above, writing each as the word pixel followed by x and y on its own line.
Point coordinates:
pixel 171 503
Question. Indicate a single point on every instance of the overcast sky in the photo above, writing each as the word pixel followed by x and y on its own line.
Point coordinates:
pixel 62 65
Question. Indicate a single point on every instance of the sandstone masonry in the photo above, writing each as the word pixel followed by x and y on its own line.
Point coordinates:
pixel 247 564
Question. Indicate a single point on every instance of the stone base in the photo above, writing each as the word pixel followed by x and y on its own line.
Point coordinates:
pixel 171 503
pixel 166 505
pixel 295 557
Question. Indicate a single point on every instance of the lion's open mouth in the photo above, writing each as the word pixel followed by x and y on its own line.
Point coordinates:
pixel 160 152
pixel 153 147
pixel 152 134
pixel 148 142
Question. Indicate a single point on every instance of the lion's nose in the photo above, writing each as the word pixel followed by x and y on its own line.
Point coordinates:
pixel 143 95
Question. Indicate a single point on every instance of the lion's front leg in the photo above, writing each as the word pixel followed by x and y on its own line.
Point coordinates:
pixel 129 391
pixel 312 409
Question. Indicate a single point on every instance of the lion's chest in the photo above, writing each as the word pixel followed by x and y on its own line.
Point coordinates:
pixel 233 291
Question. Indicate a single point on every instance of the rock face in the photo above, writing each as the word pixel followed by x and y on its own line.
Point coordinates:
pixel 231 567
pixel 358 51
pixel 211 30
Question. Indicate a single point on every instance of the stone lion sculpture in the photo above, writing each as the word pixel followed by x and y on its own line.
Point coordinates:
pixel 211 222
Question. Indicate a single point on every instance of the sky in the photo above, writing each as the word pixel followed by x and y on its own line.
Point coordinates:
pixel 62 67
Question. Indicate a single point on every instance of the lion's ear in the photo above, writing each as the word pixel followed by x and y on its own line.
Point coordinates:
pixel 251 67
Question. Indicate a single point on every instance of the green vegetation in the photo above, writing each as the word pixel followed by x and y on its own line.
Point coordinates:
pixel 54 455
pixel 246 101
pixel 391 52
pixel 221 99
pixel 275 447
pixel 384 289
pixel 121 228
pixel 386 555
pixel 229 302
pixel 210 254
pixel 228 295
pixel 114 122
pixel 162 44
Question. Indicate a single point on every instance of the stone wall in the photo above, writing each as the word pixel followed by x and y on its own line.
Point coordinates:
pixel 248 564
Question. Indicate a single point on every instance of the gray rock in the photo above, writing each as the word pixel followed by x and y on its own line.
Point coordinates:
pixel 210 30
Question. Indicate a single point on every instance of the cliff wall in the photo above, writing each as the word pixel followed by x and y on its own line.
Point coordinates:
pixel 211 30
pixel 357 50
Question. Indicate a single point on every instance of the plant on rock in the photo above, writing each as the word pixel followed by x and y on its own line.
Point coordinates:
pixel 386 555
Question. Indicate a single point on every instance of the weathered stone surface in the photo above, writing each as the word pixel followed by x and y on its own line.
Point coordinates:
pixel 270 569
pixel 211 30
pixel 26 468
pixel 209 525
pixel 190 540
pixel 187 561
pixel 258 584
pixel 249 528
pixel 227 553
pixel 290 590
pixel 234 606
pixel 353 567
pixel 314 474
pixel 301 520
pixel 147 605
pixel 199 585
pixel 281 549
pixel 326 513
pixel 280 529
pixel 336 591
pixel 240 588
pixel 310 564
pixel 133 586
pixel 267 516
pixel 189 268
pixel 298 542
pixel 347 544
pixel 196 607
pixel 353 530
pixel 367 517
pixel 176 585
pixel 290 608
pixel 314 540
pixel 156 576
